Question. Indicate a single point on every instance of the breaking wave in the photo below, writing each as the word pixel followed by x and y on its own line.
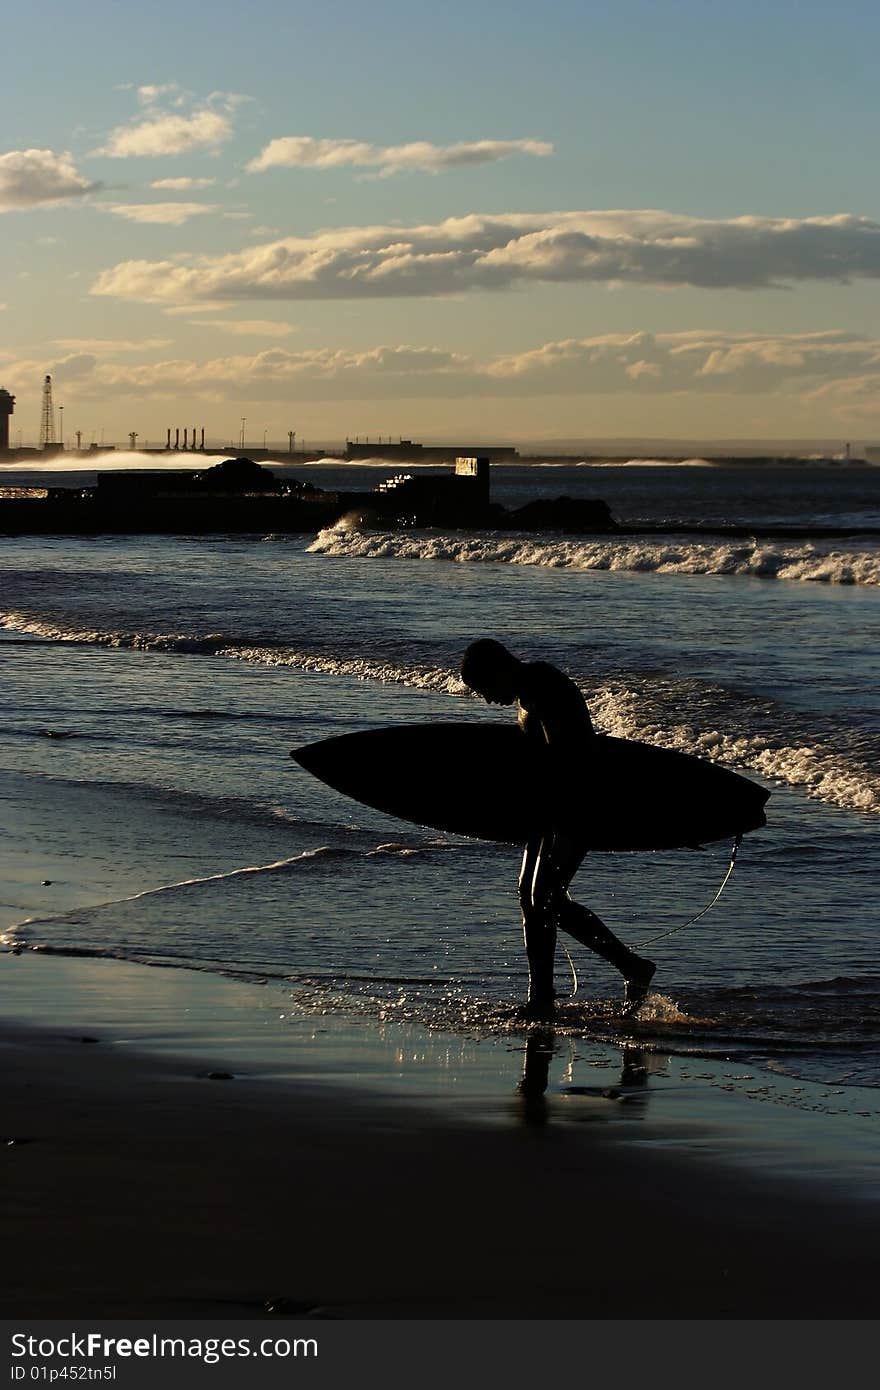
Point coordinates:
pixel 841 768
pixel 361 667
pixel 807 562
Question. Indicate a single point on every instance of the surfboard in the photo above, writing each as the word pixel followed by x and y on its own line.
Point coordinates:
pixel 491 782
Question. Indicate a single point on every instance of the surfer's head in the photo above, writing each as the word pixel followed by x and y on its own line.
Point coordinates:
pixel 492 671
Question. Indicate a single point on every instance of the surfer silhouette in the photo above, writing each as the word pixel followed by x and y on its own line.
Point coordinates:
pixel 553 710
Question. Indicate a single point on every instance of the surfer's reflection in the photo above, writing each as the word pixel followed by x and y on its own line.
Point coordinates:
pixel 632 1089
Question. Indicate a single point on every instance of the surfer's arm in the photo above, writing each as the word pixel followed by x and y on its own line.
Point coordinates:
pixel 553 699
pixel 558 717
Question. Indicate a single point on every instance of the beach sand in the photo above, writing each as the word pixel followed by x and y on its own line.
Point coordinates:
pixel 174 1147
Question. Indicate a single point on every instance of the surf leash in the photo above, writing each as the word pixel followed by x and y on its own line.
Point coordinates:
pixel 574 974
pixel 689 923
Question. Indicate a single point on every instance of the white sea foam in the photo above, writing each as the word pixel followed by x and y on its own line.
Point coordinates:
pixel 650 463
pixel 374 461
pixel 118 458
pixel 776 748
pixel 749 558
pixel 810 764
pixel 135 641
pixel 217 644
pixel 446 682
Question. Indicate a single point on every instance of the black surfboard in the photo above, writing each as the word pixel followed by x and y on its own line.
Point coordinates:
pixel 491 782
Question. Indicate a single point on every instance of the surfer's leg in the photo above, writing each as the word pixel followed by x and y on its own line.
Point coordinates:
pixel 539 927
pixel 589 929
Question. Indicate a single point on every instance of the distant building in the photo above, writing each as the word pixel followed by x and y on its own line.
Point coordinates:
pixel 407 451
pixel 7 405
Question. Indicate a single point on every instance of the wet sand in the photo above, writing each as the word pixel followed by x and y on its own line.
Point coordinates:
pixel 169 1160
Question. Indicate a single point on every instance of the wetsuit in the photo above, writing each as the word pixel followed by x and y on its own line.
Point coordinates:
pixel 552 709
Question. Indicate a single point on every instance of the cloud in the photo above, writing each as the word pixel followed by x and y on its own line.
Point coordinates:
pixel 481 252
pixel 181 185
pixel 852 399
pixel 251 328
pixel 305 152
pixel 834 367
pixel 164 131
pixel 700 361
pixel 167 214
pixel 169 134
pixel 155 91
pixel 111 345
pixel 205 307
pixel 274 372
pixel 31 177
pixel 267 375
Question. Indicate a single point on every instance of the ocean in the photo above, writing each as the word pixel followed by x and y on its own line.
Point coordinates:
pixel 154 686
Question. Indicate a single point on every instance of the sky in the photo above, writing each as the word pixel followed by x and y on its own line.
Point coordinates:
pixel 460 222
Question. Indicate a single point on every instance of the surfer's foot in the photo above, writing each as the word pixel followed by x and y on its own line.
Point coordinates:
pixel 540 1007
pixel 637 983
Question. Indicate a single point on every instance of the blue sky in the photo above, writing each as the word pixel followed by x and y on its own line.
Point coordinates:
pixel 470 220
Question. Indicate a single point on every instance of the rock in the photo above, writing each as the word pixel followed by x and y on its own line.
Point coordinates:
pixel 572 515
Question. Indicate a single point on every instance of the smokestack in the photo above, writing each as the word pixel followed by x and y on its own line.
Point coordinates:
pixel 168 440
pixel 184 438
pixel 194 437
pixel 177 439
pixel 203 439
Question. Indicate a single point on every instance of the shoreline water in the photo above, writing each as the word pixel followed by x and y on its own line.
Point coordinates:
pixel 184 1148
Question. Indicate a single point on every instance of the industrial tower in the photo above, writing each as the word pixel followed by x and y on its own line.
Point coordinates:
pixel 7 405
pixel 47 419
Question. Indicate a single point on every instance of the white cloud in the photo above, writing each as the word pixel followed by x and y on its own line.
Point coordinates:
pixel 836 368
pixel 111 345
pixel 174 123
pixel 205 307
pixel 482 252
pixel 30 177
pixel 305 152
pixel 156 91
pixel 718 362
pixel 169 134
pixel 166 214
pixel 181 185
pixel 852 399
pixel 251 328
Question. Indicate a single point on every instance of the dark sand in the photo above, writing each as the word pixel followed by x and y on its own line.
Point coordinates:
pixel 136 1186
